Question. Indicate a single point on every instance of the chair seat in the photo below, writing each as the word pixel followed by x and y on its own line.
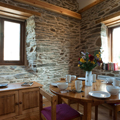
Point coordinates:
pixel 63 112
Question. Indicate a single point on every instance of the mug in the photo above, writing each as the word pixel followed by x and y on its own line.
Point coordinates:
pixel 73 77
pixel 68 78
pixel 94 77
pixel 116 82
pixel 78 85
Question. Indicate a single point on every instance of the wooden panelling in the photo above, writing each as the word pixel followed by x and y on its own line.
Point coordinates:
pixel 90 5
pixel 17 12
pixel 111 19
pixel 8 104
pixel 51 7
pixel 16 100
pixel 29 100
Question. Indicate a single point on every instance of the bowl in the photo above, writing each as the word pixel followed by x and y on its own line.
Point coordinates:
pixel 113 90
pixel 62 86
pixel 73 77
pixel 110 79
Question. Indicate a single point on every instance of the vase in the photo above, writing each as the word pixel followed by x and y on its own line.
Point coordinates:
pixel 88 80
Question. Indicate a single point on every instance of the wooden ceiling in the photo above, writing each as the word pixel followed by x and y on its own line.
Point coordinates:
pixel 16 12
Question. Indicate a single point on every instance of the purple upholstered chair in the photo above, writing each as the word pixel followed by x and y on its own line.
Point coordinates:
pixel 56 111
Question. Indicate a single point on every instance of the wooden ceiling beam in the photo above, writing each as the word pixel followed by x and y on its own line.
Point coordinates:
pixel 51 7
pixel 17 10
pixel 13 15
pixel 110 18
pixel 90 5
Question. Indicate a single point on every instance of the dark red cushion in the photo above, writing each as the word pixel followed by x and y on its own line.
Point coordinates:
pixel 63 112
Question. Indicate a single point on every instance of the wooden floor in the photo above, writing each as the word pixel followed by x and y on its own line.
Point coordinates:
pixel 103 113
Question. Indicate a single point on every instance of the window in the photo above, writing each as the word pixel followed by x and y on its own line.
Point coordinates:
pixel 11 42
pixel 114 44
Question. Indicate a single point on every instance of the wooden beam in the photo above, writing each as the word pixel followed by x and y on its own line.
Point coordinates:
pixel 111 19
pixel 90 5
pixel 17 10
pixel 51 7
pixel 13 15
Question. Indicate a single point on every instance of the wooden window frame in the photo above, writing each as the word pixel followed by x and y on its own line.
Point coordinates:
pixel 22 42
pixel 110 42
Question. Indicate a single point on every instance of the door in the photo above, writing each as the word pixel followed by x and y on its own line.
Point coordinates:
pixel 8 104
pixel 28 100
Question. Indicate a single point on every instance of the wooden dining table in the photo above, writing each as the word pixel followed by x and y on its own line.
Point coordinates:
pixel 83 97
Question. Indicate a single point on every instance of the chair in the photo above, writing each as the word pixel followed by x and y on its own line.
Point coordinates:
pixel 56 111
pixel 69 102
pixel 115 108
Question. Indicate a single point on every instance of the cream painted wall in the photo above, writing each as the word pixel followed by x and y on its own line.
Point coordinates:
pixel 84 3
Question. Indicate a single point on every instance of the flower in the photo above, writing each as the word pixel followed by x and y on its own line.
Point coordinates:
pixel 92 62
pixel 82 60
pixel 87 61
pixel 91 58
pixel 97 55
pixel 78 65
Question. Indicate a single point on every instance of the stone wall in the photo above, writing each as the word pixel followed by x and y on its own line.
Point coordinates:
pixel 52 47
pixel 92 34
pixel 68 4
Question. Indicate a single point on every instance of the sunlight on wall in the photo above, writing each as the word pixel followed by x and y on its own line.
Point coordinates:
pixel 104 46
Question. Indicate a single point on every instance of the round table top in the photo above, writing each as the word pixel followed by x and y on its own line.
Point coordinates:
pixel 84 96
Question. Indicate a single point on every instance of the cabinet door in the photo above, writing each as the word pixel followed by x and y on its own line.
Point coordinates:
pixel 28 100
pixel 8 104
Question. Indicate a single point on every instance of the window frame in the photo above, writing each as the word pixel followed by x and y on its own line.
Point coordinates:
pixel 22 42
pixel 110 42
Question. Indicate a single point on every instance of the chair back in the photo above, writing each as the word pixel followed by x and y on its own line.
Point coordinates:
pixel 52 99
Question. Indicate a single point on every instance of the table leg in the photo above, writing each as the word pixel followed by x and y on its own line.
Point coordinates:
pixel 87 111
pixel 96 112
pixel 59 100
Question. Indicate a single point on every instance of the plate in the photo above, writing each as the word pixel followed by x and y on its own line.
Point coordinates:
pixel 54 84
pixel 99 94
pixel 81 78
pixel 3 85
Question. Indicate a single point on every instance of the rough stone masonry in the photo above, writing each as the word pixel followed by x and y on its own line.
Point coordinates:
pixel 92 35
pixel 52 46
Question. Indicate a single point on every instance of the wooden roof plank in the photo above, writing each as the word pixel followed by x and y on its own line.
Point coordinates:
pixel 51 7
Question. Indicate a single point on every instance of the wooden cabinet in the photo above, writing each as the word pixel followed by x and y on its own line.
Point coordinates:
pixel 18 100
pixel 8 104
pixel 28 100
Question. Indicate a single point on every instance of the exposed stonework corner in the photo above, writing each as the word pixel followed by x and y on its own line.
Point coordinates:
pixel 31 43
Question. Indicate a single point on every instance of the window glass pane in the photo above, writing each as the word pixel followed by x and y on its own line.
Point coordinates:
pixel 116 45
pixel 11 41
